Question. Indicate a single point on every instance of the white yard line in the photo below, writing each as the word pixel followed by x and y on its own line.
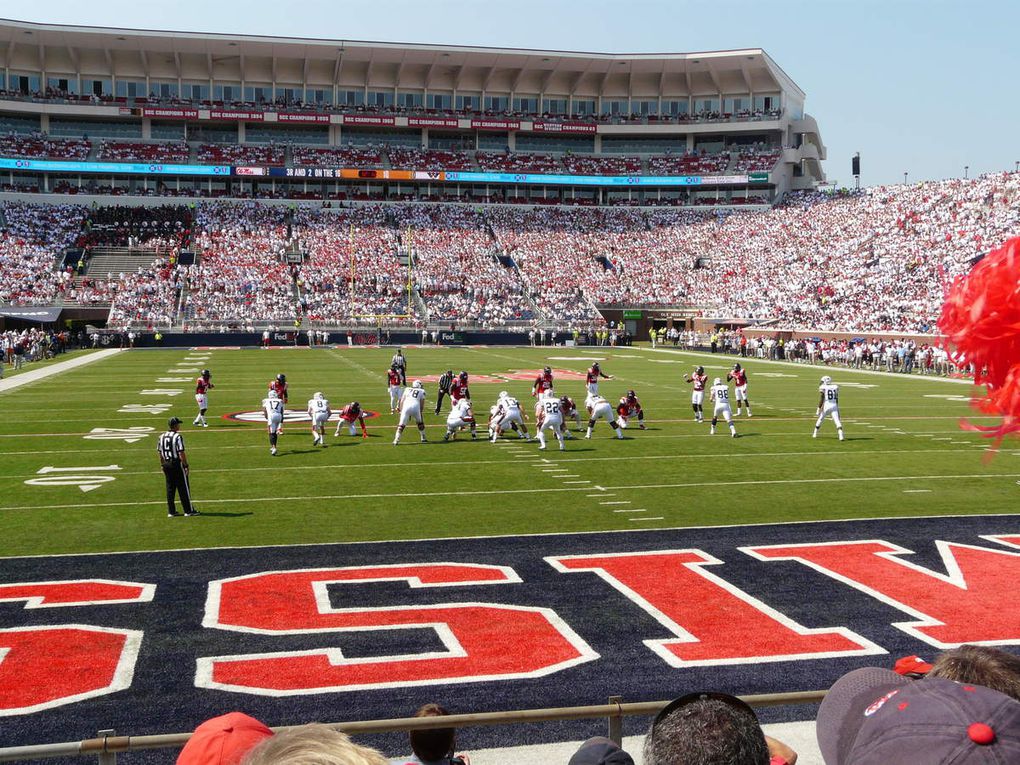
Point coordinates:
pixel 699 456
pixel 55 369
pixel 490 492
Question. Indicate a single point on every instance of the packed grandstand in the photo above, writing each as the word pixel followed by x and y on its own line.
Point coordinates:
pixel 873 261
pixel 502 193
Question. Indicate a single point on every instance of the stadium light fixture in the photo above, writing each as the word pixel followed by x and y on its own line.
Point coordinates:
pixel 904 179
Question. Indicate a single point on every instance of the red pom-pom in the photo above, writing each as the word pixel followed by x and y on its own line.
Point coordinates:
pixel 981 321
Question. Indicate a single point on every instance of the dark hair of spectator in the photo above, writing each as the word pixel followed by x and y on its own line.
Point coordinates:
pixel 706 729
pixel 435 743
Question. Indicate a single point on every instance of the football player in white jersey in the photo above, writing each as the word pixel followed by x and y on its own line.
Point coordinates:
pixel 828 406
pixel 272 405
pixel 461 416
pixel 319 411
pixel 411 402
pixel 548 416
pixel 597 408
pixel 720 398
pixel 506 412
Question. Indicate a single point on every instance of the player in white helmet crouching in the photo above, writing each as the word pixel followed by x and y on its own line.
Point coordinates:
pixel 548 416
pixel 599 408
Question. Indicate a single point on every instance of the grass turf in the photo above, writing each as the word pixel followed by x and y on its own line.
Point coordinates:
pixel 904 454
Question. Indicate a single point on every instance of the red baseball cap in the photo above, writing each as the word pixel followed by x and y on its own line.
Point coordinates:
pixel 223 740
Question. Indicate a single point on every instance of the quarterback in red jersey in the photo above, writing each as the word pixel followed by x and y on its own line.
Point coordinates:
pixel 394 381
pixel 350 414
pixel 202 385
pixel 628 407
pixel 739 377
pixel 592 379
pixel 280 386
pixel 698 379
pixel 459 388
pixel 543 383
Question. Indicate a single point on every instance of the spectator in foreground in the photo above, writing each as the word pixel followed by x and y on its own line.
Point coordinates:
pixel 600 751
pixel 434 746
pixel 874 716
pixel 315 743
pixel 709 728
pixel 223 740
pixel 981 665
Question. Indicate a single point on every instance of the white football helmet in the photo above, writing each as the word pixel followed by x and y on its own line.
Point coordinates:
pixel 273 394
pixel 318 394
pixel 717 381
pixel 826 380
pixel 503 394
pixel 416 384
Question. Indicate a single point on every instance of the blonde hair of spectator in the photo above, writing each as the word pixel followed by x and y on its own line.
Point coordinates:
pixel 313 744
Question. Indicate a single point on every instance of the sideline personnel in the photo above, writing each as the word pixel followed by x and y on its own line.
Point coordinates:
pixel 170 448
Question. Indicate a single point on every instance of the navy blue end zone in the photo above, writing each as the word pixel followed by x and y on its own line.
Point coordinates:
pixel 163 698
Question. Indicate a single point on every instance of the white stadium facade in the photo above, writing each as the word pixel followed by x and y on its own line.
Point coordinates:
pixel 435 121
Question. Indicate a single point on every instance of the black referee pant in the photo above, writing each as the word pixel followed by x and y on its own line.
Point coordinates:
pixel 176 483
pixel 439 400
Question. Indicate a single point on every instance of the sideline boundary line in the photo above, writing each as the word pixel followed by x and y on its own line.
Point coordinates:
pixel 55 369
pixel 795 365
pixel 882 518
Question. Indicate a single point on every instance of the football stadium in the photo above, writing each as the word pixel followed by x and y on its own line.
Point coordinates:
pixel 455 340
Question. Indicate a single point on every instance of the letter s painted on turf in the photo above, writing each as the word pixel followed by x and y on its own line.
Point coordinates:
pixel 482 641
pixel 46 667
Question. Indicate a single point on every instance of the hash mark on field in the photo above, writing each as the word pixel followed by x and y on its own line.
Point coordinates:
pixel 600 495
pixel 917 491
pixel 577 482
pixel 646 518
pixel 618 502
pixel 941 439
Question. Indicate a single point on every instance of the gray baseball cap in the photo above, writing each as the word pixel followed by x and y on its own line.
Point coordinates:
pixel 873 716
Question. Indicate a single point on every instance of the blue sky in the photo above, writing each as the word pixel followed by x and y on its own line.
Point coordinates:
pixel 925 87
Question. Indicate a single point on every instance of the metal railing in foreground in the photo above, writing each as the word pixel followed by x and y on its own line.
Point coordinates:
pixel 107 745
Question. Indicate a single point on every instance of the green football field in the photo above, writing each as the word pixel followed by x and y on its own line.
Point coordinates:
pixel 70 481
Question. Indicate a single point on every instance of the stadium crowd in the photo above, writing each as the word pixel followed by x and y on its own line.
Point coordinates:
pixel 872 261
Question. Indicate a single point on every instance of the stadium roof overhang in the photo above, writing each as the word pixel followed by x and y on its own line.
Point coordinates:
pixel 198 55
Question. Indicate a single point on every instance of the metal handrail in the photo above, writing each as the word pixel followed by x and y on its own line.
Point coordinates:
pixel 614 711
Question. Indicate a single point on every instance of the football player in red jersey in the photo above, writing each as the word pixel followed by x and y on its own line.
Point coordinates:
pixel 739 377
pixel 543 383
pixel 280 386
pixel 350 414
pixel 202 386
pixel 569 409
pixel 698 379
pixel 628 407
pixel 459 388
pixel 592 379
pixel 394 381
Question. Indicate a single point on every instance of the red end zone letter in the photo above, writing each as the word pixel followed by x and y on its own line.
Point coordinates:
pixel 46 667
pixel 482 641
pixel 974 602
pixel 714 622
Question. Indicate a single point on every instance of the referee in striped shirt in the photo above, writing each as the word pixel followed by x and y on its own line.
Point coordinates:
pixel 170 448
